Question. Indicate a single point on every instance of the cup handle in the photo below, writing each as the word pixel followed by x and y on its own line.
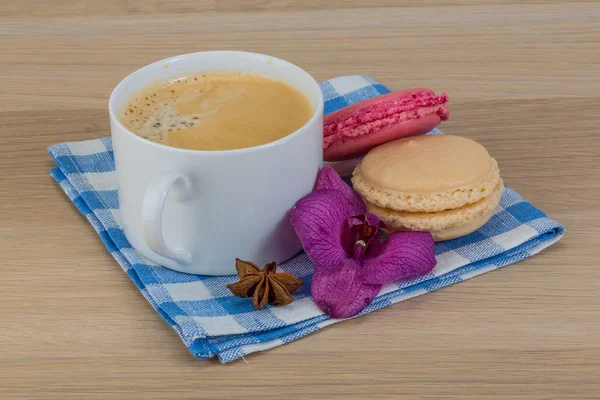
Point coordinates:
pixel 152 213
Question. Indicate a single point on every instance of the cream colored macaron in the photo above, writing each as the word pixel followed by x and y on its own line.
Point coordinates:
pixel 447 185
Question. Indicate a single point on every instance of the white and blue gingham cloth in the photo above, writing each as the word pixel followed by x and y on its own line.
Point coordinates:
pixel 211 321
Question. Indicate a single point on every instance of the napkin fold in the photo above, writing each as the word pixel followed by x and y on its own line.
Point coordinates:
pixel 211 321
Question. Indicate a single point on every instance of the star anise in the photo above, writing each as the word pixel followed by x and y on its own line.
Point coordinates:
pixel 264 285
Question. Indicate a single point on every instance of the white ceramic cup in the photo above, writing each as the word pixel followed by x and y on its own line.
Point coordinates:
pixel 196 211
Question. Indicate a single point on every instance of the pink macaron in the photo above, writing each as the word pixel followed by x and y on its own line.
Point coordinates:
pixel 354 130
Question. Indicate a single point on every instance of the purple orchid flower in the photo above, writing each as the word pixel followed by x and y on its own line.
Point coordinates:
pixel 343 240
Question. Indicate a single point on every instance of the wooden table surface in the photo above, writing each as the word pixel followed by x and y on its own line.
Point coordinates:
pixel 523 78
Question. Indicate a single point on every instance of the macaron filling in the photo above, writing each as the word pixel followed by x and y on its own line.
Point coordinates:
pixel 367 120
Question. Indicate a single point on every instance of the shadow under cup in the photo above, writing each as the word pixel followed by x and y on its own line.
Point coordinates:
pixel 196 211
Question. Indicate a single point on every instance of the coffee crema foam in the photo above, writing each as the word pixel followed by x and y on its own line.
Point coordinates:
pixel 216 111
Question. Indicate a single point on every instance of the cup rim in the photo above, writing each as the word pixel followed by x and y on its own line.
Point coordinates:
pixel 316 113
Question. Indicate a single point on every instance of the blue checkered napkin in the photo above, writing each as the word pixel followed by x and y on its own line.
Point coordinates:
pixel 211 322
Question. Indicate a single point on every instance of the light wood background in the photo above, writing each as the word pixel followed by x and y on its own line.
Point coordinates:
pixel 523 78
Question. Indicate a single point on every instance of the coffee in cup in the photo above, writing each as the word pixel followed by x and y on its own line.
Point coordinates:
pixel 216 111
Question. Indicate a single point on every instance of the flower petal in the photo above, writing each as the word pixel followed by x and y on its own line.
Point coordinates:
pixel 402 255
pixel 329 179
pixel 373 220
pixel 319 220
pixel 339 293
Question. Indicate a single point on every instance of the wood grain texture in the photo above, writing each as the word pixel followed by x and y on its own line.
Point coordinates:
pixel 523 78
